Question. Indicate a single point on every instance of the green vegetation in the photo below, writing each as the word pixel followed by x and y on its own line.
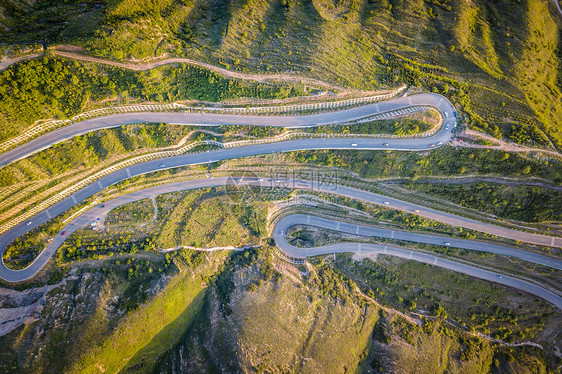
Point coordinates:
pixel 409 285
pixel 528 204
pixel 484 55
pixel 210 304
pixel 203 222
pixel 52 87
pixel 22 251
pixel 399 127
pixel 88 151
pixel 443 161
pixel 133 213
pixel 113 301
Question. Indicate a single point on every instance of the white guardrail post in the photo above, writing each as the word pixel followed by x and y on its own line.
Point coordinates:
pixel 50 125
pixel 169 153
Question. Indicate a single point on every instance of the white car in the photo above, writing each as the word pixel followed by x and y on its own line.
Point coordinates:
pixel 162 165
pixel 447 243
pixel 386 203
pixel 354 144
pixel 28 223
pixel 386 144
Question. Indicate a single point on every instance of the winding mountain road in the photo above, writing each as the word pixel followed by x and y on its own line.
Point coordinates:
pixel 287 222
pixel 216 119
pixel 282 226
pixel 407 144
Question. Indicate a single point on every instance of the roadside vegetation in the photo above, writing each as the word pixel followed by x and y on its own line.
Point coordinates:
pixel 139 212
pixel 408 285
pixel 51 87
pixel 527 204
pixel 444 161
pixel 482 55
pixel 210 304
pixel 401 126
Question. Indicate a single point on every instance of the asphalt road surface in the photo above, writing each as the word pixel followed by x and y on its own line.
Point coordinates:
pixel 286 222
pixel 98 214
pixel 410 144
pixel 213 119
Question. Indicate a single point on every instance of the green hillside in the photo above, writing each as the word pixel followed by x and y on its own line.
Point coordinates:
pixel 192 281
pixel 213 313
pixel 499 59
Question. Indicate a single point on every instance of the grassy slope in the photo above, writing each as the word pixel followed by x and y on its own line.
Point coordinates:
pixel 319 325
pixel 495 48
pixel 147 332
pixel 307 330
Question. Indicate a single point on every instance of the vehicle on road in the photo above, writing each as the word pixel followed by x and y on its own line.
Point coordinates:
pixel 447 243
pixel 28 223
pixel 386 203
pixel 62 233
pixel 447 114
pixel 447 127
pixel 440 143
pixel 102 206
pixel 416 210
pixel 498 276
pixel 386 144
pixel 162 165
pixel 431 145
pixel 354 144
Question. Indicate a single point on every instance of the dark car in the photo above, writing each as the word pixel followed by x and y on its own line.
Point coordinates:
pixel 62 233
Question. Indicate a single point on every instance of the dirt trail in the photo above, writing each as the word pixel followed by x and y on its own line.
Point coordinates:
pixel 77 53
pixel 501 144
pixel 221 71
pixel 6 61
